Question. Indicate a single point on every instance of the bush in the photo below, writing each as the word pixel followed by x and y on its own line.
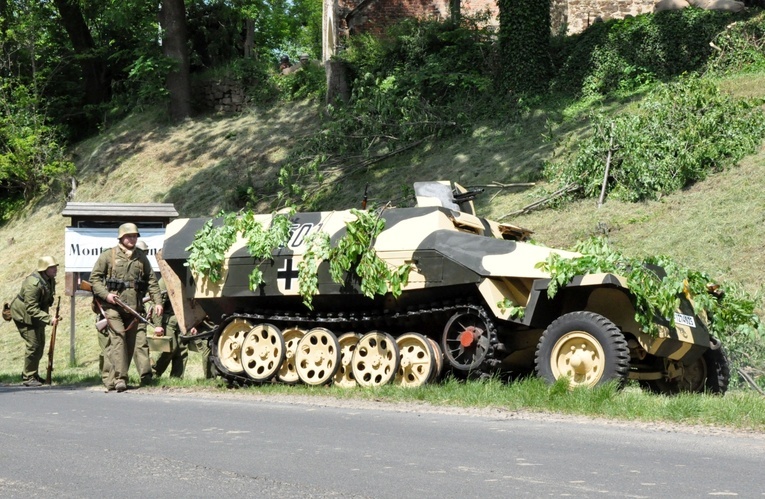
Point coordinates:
pixel 31 156
pixel 680 134
pixel 625 54
pixel 740 47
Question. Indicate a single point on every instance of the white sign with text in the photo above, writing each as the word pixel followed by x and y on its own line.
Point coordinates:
pixel 83 246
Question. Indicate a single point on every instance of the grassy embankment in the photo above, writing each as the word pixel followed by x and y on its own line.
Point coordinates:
pixel 715 225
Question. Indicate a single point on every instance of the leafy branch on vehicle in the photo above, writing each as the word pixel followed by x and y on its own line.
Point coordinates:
pixel 353 255
pixel 208 251
pixel 729 310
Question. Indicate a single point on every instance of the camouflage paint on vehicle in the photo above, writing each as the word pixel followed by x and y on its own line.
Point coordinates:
pixel 463 267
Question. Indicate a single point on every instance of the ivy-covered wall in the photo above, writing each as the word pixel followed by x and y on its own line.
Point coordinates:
pixel 524 41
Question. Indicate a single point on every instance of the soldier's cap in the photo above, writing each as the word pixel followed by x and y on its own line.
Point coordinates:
pixel 44 262
pixel 126 229
pixel 142 245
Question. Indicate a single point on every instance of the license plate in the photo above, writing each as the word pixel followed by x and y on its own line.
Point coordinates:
pixel 685 320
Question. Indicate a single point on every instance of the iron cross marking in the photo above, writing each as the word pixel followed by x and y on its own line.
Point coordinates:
pixel 287 273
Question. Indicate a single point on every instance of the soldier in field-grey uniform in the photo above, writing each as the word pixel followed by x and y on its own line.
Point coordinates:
pixel 29 310
pixel 123 272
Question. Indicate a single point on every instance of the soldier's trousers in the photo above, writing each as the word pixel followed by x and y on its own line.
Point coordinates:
pixel 120 345
pixel 141 356
pixel 176 357
pixel 34 338
pixel 104 366
pixel 204 349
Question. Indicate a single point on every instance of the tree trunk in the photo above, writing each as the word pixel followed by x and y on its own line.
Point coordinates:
pixel 172 19
pixel 94 70
pixel 455 7
pixel 249 37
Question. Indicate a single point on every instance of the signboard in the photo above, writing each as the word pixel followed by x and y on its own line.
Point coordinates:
pixel 83 246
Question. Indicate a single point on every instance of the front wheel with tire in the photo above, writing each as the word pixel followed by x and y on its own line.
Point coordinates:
pixel 584 347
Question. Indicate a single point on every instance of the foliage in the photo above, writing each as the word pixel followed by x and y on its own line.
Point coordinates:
pixel 31 157
pixel 679 134
pixel 740 47
pixel 309 82
pixel 208 251
pixel 352 256
pixel 524 44
pixel 423 79
pixel 657 284
pixel 623 55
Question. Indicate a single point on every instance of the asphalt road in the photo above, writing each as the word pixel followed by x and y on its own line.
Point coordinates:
pixel 60 442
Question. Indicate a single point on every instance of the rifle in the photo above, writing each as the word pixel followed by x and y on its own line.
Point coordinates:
pixel 52 343
pixel 86 286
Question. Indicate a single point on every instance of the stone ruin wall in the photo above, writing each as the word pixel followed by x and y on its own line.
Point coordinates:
pixel 220 96
pixel 344 17
pixel 577 15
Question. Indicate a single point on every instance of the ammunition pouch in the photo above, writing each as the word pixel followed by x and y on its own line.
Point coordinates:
pixel 114 284
pixel 118 285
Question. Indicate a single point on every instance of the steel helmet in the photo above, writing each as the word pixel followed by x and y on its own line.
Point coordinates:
pixel 141 244
pixel 44 262
pixel 126 229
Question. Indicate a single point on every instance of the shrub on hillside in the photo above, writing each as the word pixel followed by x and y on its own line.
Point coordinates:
pixel 740 47
pixel 425 78
pixel 680 134
pixel 31 155
pixel 625 54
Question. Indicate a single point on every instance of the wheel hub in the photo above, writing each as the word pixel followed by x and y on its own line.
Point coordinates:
pixel 469 336
pixel 581 360
pixel 578 356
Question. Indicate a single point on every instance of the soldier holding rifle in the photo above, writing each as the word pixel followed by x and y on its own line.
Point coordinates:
pixel 120 279
pixel 29 310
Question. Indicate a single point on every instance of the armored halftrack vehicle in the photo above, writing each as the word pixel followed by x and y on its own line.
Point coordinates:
pixel 452 315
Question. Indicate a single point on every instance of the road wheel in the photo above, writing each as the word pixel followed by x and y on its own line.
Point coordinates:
pixel 317 356
pixel 416 360
pixel 375 360
pixel 288 371
pixel 585 347
pixel 230 345
pixel 344 375
pixel 262 352
pixel 438 355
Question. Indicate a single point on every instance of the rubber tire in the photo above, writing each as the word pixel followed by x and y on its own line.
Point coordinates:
pixel 718 371
pixel 615 350
pixel 718 376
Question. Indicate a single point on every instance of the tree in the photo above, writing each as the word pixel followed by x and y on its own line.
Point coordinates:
pixel 94 71
pixel 172 18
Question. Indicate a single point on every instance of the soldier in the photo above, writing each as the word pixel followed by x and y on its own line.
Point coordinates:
pixel 179 351
pixel 141 356
pixel 123 273
pixel 29 310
